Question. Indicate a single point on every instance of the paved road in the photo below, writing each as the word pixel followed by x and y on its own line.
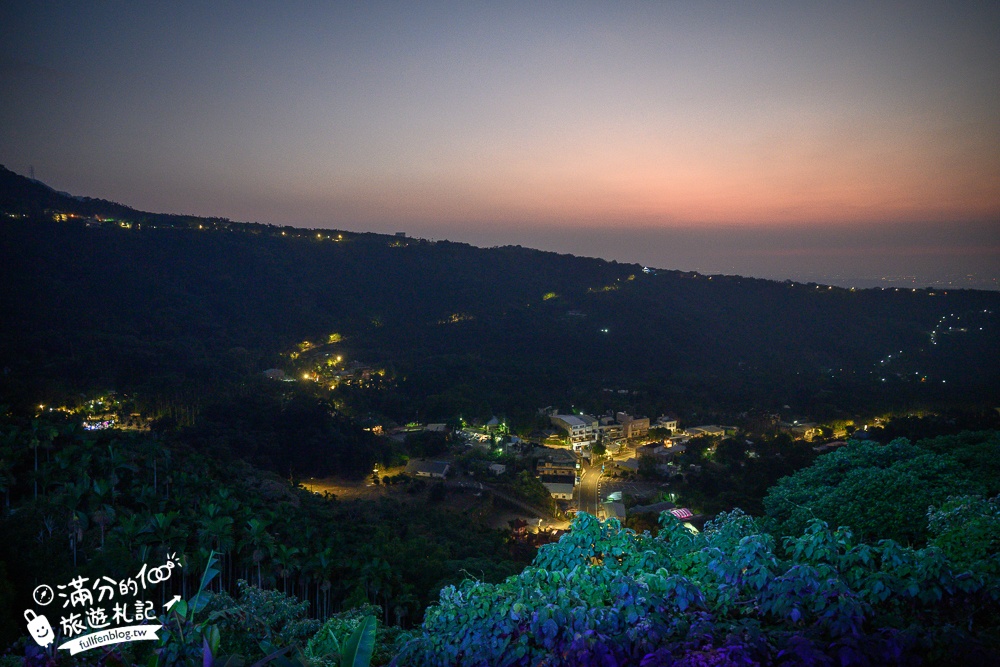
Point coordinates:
pixel 590 489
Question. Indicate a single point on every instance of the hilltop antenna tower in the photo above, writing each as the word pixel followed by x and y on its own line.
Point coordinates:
pixel 31 168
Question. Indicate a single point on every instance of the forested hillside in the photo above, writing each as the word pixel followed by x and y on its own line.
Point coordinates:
pixel 93 504
pixel 167 382
pixel 172 308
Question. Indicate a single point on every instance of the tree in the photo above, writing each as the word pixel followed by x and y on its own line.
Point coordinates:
pixel 286 560
pixel 879 490
pixel 967 530
pixel 726 596
pixel 259 621
pixel 259 542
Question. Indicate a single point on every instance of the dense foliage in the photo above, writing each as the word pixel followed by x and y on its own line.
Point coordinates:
pixel 884 491
pixel 604 595
pixel 289 432
pixel 102 503
pixel 324 647
pixel 737 474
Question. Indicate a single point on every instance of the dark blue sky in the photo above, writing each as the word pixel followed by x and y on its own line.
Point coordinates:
pixel 791 139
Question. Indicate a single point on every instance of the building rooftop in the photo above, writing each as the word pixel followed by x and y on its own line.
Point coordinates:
pixel 434 468
pixel 628 464
pixel 655 508
pixel 615 509
pixel 559 487
pixel 554 455
pixel 572 420
pixel 707 429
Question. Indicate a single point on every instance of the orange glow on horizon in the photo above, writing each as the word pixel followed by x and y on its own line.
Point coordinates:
pixel 774 175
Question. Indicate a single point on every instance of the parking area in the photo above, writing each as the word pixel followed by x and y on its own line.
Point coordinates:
pixel 646 491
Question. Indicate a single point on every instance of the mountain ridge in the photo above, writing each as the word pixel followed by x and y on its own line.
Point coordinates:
pixel 460 329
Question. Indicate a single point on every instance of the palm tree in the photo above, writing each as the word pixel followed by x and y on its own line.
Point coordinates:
pixel 35 442
pixel 75 527
pixel 379 576
pixel 126 533
pixel 260 542
pixel 103 517
pixel 118 462
pixel 216 532
pixel 7 479
pixel 163 531
pixel 402 603
pixel 71 497
pixel 287 562
pixel 324 562
pixel 148 498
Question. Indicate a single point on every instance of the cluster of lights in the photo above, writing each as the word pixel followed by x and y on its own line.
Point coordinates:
pixel 888 358
pixel 455 318
pixel 942 326
pixel 64 217
pixel 946 324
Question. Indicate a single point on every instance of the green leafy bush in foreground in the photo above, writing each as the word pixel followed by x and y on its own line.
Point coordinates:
pixel 260 621
pixel 326 646
pixel 263 626
pixel 604 595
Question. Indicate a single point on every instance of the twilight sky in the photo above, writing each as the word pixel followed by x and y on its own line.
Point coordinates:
pixel 798 139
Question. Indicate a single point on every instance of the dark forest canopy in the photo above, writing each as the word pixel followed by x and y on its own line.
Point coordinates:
pixel 173 308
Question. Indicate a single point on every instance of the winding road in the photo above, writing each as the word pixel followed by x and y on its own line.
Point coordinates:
pixel 590 485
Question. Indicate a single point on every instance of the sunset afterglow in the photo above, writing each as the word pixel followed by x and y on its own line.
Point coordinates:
pixel 511 123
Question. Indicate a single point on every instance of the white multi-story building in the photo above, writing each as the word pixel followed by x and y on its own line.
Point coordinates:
pixel 667 422
pixel 581 430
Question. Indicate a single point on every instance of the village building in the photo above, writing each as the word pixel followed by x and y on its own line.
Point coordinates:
pixel 614 509
pixel 706 429
pixel 581 430
pixel 633 427
pixel 422 468
pixel 800 430
pixel 610 432
pixel 562 490
pixel 667 422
